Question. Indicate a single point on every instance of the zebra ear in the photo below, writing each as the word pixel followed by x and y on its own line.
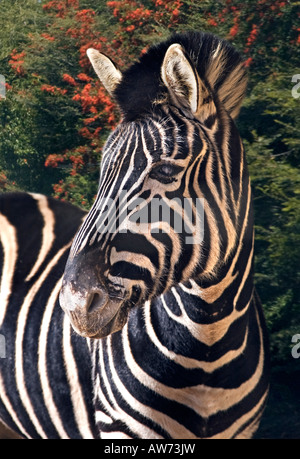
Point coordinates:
pixel 180 77
pixel 108 74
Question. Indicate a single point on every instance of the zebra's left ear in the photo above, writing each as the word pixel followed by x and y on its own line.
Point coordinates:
pixel 107 72
pixel 181 78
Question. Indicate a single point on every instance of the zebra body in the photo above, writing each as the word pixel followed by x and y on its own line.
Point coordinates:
pixel 45 378
pixel 175 331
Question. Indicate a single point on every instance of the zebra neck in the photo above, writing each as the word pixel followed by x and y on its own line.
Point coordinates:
pixel 181 340
pixel 205 313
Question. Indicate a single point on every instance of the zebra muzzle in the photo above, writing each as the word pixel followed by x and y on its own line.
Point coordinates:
pixel 93 313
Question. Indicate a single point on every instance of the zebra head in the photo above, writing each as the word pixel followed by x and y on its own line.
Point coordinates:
pixel 170 182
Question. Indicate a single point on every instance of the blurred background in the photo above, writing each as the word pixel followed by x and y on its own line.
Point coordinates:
pixel 55 117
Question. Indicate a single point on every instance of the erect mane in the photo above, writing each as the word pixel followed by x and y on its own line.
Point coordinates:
pixel 218 64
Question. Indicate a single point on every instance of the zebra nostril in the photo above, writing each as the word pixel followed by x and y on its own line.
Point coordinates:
pixel 96 301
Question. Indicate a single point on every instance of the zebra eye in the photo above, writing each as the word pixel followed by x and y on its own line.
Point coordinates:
pixel 165 173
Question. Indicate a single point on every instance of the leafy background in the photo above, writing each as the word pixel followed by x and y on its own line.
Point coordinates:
pixel 56 116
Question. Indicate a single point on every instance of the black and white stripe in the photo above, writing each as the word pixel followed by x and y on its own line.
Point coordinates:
pixel 186 352
pixel 45 379
pixel 179 346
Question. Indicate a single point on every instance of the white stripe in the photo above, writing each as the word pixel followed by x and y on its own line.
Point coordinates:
pixel 248 431
pixel 21 325
pixel 245 278
pixel 116 435
pixel 167 423
pixel 102 417
pixel 5 400
pixel 86 229
pixel 8 238
pixel 42 363
pixel 48 232
pixel 116 412
pixel 80 409
pixel 188 362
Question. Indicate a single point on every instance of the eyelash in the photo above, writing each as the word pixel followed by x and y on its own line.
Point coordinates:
pixel 165 173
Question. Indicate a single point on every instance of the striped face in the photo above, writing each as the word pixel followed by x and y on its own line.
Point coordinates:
pixel 161 215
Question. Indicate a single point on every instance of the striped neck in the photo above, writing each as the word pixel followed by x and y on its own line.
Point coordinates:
pixel 205 308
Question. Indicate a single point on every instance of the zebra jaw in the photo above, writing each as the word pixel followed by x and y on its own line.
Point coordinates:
pixel 93 314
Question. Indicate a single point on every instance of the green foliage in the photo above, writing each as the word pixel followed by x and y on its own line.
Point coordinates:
pixel 276 186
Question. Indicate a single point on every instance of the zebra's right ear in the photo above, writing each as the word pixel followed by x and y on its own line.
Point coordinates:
pixel 108 74
pixel 180 78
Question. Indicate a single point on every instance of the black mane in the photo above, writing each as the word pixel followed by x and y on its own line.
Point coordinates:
pixel 142 85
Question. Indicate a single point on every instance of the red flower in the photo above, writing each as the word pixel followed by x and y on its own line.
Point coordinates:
pixel 253 35
pixel 212 22
pixel 16 62
pixel 47 37
pixel 53 89
pixel 234 30
pixel 85 16
pixel 53 160
pixel 248 62
pixel 68 79
pixel 130 28
pixel 47 88
pixel 84 77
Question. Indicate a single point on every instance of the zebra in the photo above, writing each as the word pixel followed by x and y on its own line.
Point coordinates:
pixel 180 346
pixel 170 339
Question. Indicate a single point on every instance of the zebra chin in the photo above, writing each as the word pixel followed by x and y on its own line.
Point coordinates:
pixel 93 315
